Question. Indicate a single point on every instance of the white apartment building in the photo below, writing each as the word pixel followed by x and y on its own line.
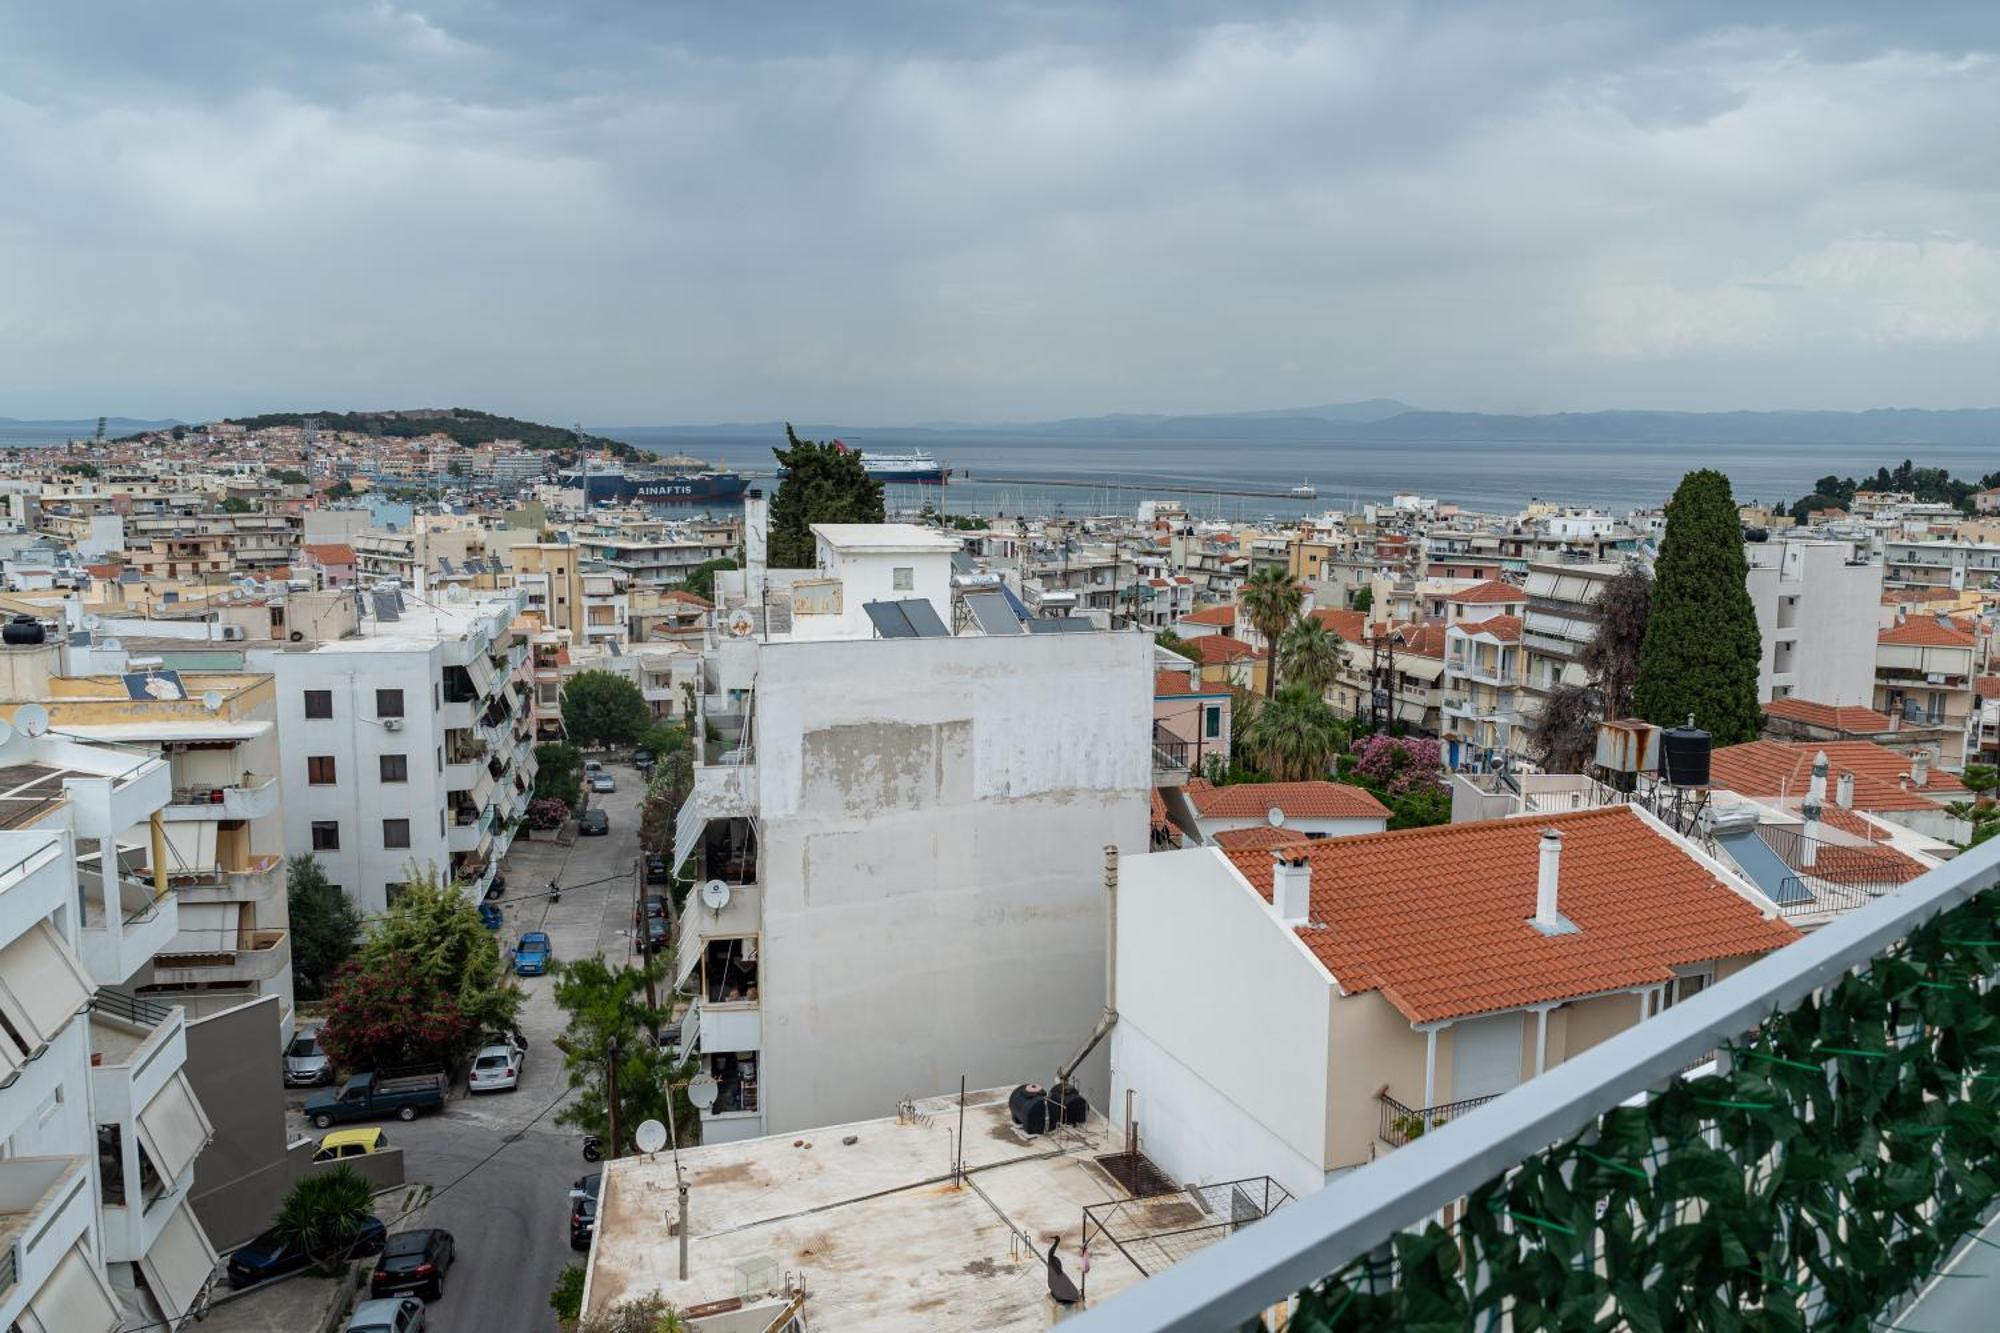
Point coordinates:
pixel 1957 565
pixel 1561 621
pixel 901 832
pixel 99 1128
pixel 409 743
pixel 1818 606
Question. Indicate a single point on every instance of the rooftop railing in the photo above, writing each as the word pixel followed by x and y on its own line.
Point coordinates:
pixel 1846 1141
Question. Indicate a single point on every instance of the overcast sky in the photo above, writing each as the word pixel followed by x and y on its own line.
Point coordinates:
pixel 891 211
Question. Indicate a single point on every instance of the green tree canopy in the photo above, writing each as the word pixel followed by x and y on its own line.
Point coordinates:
pixel 322 1212
pixel 1174 643
pixel 288 476
pixel 824 483
pixel 701 579
pixel 1295 735
pixel 233 505
pixel 324 925
pixel 1311 653
pixel 603 708
pixel 1701 649
pixel 558 772
pixel 1271 599
pixel 603 1004
pixel 435 927
pixel 1363 599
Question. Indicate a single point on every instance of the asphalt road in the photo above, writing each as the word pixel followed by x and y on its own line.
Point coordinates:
pixel 499 1166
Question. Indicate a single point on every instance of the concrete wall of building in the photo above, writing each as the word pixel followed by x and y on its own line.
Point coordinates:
pixel 1370 1046
pixel 235 1066
pixel 933 818
pixel 1816 614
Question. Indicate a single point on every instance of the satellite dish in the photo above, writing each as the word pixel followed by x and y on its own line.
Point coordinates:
pixel 31 719
pixel 651 1136
pixel 742 624
pixel 6 731
pixel 454 592
pixel 93 621
pixel 1276 816
pixel 702 1091
pixel 715 895
pixel 212 700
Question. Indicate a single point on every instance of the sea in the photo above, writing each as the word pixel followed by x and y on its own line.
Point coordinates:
pixel 1000 475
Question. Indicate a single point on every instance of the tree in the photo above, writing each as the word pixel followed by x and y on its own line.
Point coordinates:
pixel 603 708
pixel 1407 774
pixel 701 579
pixel 1363 599
pixel 1174 643
pixel 1271 598
pixel 324 925
pixel 323 1212
pixel 1701 649
pixel 379 1018
pixel 1312 654
pixel 666 791
pixel 606 1004
pixel 79 469
pixel 642 1314
pixel 558 772
pixel 234 505
pixel 289 476
pixel 340 490
pixel 1563 736
pixel 663 738
pixel 1296 735
pixel 567 1298
pixel 1980 779
pixel 824 483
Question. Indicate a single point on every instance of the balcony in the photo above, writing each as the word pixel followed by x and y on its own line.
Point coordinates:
pixel 45 1209
pixel 259 955
pixel 1172 757
pixel 727 791
pixel 256 797
pixel 1814 1173
pixel 1402 1124
pixel 150 1126
pixel 732 1025
pixel 146 924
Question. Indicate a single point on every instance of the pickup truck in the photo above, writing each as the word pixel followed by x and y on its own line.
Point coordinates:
pixel 398 1092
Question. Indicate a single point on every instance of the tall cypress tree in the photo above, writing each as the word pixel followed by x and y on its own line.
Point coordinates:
pixel 1702 648
pixel 824 483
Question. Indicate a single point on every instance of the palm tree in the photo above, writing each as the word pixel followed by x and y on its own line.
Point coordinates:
pixel 1312 654
pixel 1296 735
pixel 322 1213
pixel 1271 598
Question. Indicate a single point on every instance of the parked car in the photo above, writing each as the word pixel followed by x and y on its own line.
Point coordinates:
pixel 271 1255
pixel 414 1261
pixel 641 756
pixel 583 1211
pixel 657 869
pixel 306 1065
pixel 592 766
pixel 490 915
pixel 656 937
pixel 595 823
pixel 497 1067
pixel 601 781
pixel 345 1143
pixel 654 905
pixel 398 1314
pixel 533 955
pixel 398 1092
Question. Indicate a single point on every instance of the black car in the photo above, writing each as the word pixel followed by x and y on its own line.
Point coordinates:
pixel 641 757
pixel 654 905
pixel 271 1255
pixel 595 823
pixel 583 1211
pixel 414 1261
pixel 657 869
pixel 656 934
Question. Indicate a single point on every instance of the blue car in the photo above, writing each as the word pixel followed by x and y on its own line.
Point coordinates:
pixel 490 915
pixel 532 955
pixel 271 1255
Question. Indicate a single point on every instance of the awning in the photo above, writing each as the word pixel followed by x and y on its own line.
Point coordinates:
pixel 481 670
pixel 190 846
pixel 688 828
pixel 189 729
pixel 172 1128
pixel 42 985
pixel 482 786
pixel 686 958
pixel 179 1263
pixel 73 1300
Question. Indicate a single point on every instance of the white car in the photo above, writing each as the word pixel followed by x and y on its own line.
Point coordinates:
pixel 497 1067
pixel 602 781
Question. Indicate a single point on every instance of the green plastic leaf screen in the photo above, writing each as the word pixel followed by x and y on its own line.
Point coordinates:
pixel 1814 1184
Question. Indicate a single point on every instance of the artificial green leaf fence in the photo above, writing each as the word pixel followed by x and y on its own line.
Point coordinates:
pixel 1815 1184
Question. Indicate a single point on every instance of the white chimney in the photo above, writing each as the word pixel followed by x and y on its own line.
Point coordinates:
pixel 1920 767
pixel 1291 885
pixel 1815 804
pixel 1548 919
pixel 1844 792
pixel 756 541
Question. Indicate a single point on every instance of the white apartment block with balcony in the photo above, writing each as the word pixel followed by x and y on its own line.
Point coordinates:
pixel 99 1128
pixel 1482 679
pixel 409 743
pixel 1818 605
pixel 909 833
pixel 1560 622
pixel 1957 565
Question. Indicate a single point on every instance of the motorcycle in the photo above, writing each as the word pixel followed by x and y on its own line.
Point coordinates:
pixel 555 892
pixel 593 1150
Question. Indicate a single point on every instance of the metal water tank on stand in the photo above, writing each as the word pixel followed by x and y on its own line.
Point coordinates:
pixel 1684 753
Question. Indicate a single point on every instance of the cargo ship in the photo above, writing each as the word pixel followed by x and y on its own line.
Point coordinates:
pixel 659 486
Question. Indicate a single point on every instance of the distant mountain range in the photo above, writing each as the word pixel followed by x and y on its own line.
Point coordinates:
pixel 1385 419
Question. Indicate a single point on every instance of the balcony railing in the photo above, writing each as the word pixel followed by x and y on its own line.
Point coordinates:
pixel 1400 1124
pixel 1171 753
pixel 1831 1164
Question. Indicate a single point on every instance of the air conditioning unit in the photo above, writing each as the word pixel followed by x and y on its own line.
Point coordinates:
pixel 392 724
pixel 232 633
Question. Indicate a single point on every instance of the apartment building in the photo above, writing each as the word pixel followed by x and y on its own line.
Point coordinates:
pixel 1924 669
pixel 1561 621
pixel 1383 984
pixel 568 590
pixel 1481 714
pixel 407 744
pixel 1817 603
pixel 1939 563
pixel 651 554
pixel 900 833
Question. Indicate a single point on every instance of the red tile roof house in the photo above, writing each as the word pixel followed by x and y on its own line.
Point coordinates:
pixel 1377 983
pixel 1305 810
pixel 334 562
pixel 1195 715
pixel 1904 789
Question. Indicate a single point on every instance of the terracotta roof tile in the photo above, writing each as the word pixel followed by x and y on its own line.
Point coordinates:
pixel 1260 835
pixel 1178 682
pixel 1507 629
pixel 329 553
pixel 1427 639
pixel 1437 918
pixel 1349 625
pixel 1784 768
pixel 691 598
pixel 1298 800
pixel 1160 821
pixel 1220 648
pixel 1986 687
pixel 1491 590
pixel 1925 632
pixel 1224 616
pixel 1849 719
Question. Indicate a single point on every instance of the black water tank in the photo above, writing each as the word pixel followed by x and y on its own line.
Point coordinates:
pixel 1037 1110
pixel 1684 756
pixel 23 629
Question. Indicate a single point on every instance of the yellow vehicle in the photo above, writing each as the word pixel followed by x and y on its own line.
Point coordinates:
pixel 345 1143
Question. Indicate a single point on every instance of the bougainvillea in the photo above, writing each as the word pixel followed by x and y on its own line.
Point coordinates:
pixel 1401 764
pixel 378 1017
pixel 547 813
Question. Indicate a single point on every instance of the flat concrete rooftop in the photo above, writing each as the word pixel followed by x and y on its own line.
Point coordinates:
pixel 881 1235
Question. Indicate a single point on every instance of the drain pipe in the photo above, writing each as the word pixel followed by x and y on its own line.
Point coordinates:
pixel 1110 1017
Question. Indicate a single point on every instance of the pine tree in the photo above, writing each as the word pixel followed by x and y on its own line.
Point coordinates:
pixel 824 483
pixel 1702 648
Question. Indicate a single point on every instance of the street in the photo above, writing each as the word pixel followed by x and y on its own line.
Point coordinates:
pixel 499 1166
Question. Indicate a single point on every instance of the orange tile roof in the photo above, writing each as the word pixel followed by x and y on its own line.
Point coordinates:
pixel 1491 590
pixel 1349 625
pixel 1923 631
pixel 1221 648
pixel 1849 719
pixel 1224 616
pixel 1176 682
pixel 691 598
pixel 1160 821
pixel 1258 835
pixel 1784 768
pixel 329 553
pixel 1986 687
pixel 1437 918
pixel 1897 596
pixel 1507 629
pixel 1298 800
pixel 1427 639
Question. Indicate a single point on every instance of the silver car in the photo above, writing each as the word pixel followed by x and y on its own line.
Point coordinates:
pixel 497 1067
pixel 306 1065
pixel 602 781
pixel 393 1314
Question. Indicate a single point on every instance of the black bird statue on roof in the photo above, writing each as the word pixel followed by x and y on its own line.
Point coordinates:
pixel 1061 1289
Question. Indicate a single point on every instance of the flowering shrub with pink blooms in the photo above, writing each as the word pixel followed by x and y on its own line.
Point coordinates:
pixel 547 813
pixel 1400 764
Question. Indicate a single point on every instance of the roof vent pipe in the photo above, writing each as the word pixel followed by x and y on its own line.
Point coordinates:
pixel 1920 767
pixel 1844 792
pixel 1547 916
pixel 1291 885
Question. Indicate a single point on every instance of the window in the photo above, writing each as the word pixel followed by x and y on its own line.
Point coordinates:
pixel 319 703
pixel 319 770
pixel 395 833
pixel 903 578
pixel 1212 721
pixel 388 703
pixel 395 768
pixel 394 890
pixel 326 835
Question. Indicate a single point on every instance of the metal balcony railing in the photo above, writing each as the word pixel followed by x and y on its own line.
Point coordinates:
pixel 1401 1124
pixel 1614 1164
pixel 131 1008
pixel 1171 754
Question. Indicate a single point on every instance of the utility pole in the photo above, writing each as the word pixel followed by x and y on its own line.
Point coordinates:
pixel 611 1095
pixel 645 956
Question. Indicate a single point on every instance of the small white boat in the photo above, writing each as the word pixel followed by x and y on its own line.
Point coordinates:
pixel 1305 490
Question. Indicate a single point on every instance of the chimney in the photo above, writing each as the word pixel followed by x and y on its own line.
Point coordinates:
pixel 1844 792
pixel 1291 884
pixel 756 540
pixel 1920 767
pixel 1548 919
